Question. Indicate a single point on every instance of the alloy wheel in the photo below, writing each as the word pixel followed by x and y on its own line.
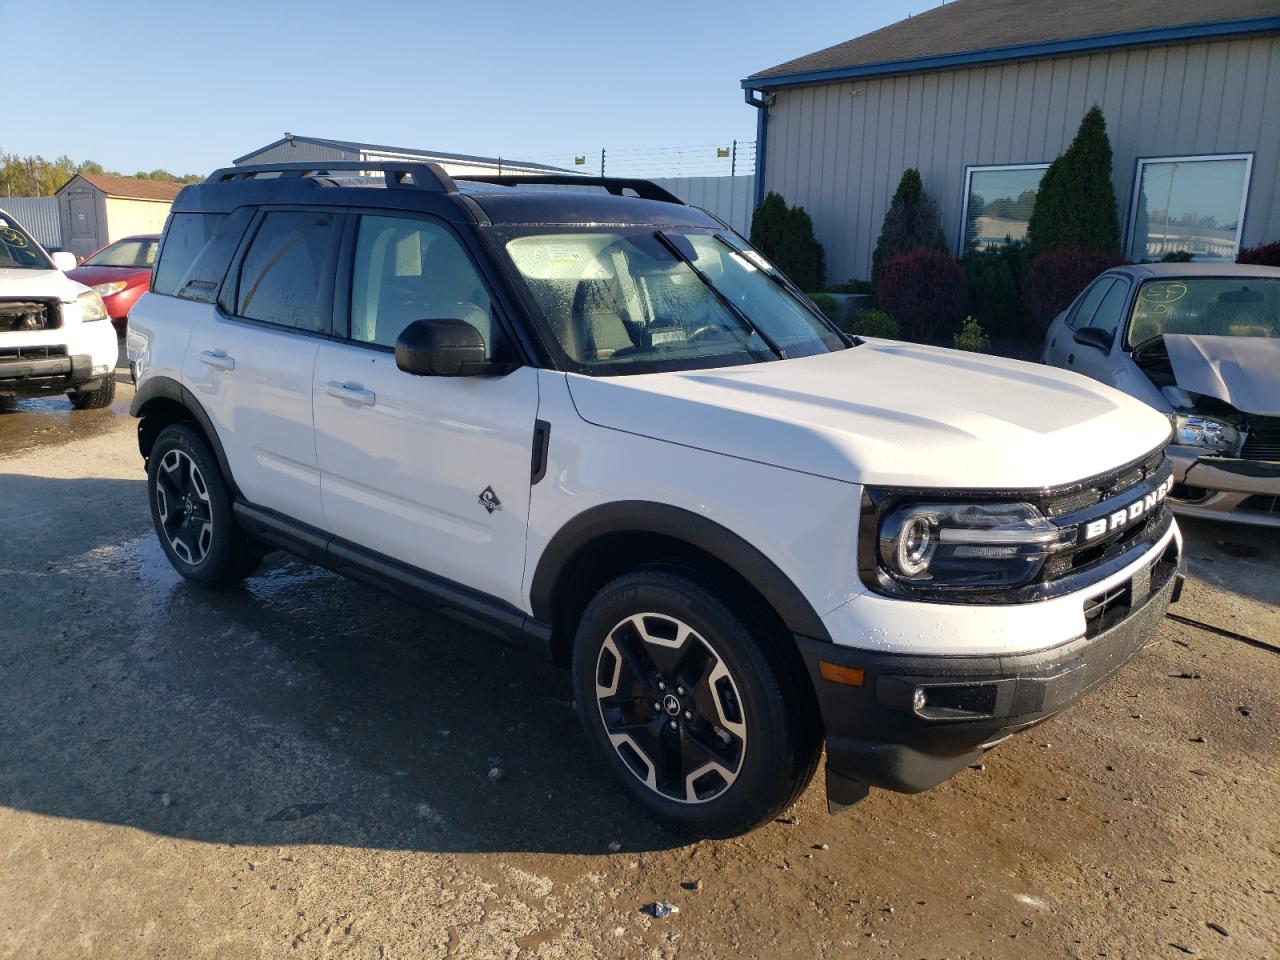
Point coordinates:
pixel 182 501
pixel 671 708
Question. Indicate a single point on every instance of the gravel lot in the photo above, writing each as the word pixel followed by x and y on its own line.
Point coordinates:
pixel 299 767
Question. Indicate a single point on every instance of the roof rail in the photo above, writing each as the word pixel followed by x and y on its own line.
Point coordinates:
pixel 615 185
pixel 426 175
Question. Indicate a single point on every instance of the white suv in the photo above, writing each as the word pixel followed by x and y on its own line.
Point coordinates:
pixel 600 424
pixel 55 336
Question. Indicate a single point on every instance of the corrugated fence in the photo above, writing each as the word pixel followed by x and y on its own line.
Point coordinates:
pixel 38 215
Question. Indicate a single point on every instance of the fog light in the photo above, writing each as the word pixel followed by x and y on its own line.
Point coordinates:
pixel 919 699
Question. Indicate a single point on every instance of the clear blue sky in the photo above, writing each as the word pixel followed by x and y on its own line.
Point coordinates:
pixel 189 86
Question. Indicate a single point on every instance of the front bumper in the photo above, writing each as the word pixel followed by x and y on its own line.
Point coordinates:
pixel 1226 488
pixel 35 375
pixel 880 734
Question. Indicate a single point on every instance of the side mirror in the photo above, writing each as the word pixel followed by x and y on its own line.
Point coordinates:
pixel 441 348
pixel 64 261
pixel 1094 337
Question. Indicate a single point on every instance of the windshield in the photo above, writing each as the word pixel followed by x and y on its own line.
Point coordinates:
pixel 1212 306
pixel 126 253
pixel 19 251
pixel 639 300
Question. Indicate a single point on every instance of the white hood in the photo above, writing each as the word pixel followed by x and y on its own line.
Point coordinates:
pixel 17 282
pixel 888 413
pixel 1243 371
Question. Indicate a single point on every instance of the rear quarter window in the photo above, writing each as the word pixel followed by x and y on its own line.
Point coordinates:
pixel 186 235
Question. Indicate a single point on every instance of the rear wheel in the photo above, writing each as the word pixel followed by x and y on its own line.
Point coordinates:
pixel 99 395
pixel 689 707
pixel 192 511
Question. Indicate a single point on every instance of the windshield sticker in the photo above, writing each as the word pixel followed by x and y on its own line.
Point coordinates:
pixel 563 253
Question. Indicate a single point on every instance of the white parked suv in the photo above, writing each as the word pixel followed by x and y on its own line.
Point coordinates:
pixel 600 424
pixel 55 336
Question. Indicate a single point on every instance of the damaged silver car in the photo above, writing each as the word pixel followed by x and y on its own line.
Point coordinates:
pixel 1201 343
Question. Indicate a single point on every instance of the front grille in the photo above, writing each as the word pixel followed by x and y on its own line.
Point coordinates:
pixel 1104 610
pixel 31 353
pixel 1097 498
pixel 17 316
pixel 1263 441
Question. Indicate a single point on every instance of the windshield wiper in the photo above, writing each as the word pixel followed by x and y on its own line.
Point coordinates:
pixel 729 305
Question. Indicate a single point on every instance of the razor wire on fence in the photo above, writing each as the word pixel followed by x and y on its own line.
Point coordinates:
pixel 733 158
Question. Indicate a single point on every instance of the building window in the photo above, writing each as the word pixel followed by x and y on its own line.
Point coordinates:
pixel 997 204
pixel 1191 204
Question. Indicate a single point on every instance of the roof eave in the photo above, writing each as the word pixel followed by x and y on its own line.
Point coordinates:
pixel 1023 51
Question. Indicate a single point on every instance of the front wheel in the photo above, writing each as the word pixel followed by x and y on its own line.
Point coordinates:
pixel 690 708
pixel 192 510
pixel 94 398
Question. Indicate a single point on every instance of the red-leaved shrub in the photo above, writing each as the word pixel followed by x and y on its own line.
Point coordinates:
pixel 1264 255
pixel 925 290
pixel 1056 277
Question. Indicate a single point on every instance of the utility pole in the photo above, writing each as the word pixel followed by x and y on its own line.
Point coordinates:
pixel 602 161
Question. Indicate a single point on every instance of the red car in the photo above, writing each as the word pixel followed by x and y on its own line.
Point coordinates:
pixel 120 272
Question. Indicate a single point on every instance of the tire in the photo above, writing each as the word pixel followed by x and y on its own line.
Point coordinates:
pixel 192 513
pixel 670 681
pixel 95 397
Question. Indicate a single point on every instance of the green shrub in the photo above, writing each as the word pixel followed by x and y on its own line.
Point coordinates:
pixel 1076 204
pixel 785 235
pixel 971 337
pixel 924 290
pixel 850 286
pixel 874 323
pixel 827 304
pixel 995 289
pixel 911 222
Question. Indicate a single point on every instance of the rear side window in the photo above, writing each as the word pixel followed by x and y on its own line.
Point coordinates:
pixel 184 238
pixel 281 271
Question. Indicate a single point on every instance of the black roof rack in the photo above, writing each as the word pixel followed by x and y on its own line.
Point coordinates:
pixel 432 177
pixel 425 176
pixel 646 189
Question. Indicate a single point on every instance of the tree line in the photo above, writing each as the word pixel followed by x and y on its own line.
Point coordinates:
pixel 35 176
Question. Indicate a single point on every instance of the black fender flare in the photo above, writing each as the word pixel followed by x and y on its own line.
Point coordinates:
pixel 166 388
pixel 642 516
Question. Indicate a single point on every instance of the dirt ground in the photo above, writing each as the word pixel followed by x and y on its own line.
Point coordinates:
pixel 299 767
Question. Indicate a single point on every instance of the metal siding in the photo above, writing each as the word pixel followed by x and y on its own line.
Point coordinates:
pixel 1217 96
pixel 38 216
pixel 299 150
pixel 729 198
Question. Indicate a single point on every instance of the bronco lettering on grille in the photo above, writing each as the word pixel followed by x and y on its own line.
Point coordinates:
pixel 1126 515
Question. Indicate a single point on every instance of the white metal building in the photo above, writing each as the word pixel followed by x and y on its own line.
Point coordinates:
pixel 291 148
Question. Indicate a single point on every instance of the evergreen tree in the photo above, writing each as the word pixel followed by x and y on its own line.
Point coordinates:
pixel 1076 204
pixel 911 222
pixel 785 235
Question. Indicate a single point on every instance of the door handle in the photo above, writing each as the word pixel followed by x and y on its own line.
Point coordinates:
pixel 350 391
pixel 217 358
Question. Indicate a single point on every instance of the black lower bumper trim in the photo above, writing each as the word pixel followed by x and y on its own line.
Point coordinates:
pixel 45 374
pixel 918 720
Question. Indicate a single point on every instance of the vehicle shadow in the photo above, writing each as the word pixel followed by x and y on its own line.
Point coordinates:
pixel 300 707
pixel 1232 556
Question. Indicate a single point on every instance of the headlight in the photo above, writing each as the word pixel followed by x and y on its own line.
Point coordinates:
pixel 91 306
pixel 967 545
pixel 1190 430
pixel 107 289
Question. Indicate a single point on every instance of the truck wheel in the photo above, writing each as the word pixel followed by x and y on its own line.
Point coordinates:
pixel 99 395
pixel 191 509
pixel 694 712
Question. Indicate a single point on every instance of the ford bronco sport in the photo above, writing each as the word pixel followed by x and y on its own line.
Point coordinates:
pixel 53 334
pixel 597 422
